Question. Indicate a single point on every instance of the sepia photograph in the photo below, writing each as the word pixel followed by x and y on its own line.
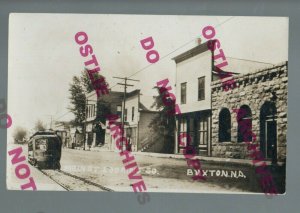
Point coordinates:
pixel 147 103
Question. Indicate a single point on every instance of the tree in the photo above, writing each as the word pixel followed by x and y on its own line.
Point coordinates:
pixel 19 134
pixel 79 87
pixel 86 82
pixel 77 100
pixel 39 126
pixel 163 124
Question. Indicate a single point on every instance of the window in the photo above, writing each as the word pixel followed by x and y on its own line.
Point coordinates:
pixel 202 128
pixel 224 125
pixel 93 111
pixel 41 144
pixel 201 88
pixel 132 114
pixel 125 115
pixel 183 93
pixel 182 132
pixel 119 110
pixel 244 118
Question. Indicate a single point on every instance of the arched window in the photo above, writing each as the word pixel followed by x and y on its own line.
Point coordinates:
pixel 268 130
pixel 244 118
pixel 224 125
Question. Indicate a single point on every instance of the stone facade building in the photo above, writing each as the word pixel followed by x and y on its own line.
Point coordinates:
pixel 263 95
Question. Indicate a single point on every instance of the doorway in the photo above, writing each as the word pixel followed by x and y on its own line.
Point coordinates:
pixel 268 131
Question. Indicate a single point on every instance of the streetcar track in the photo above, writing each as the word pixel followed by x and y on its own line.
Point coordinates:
pixel 78 178
pixel 63 186
pixel 87 181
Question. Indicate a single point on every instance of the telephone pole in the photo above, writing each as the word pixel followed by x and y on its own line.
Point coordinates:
pixel 124 100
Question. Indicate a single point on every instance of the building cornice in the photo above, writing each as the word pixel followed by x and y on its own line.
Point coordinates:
pixel 260 75
pixel 191 53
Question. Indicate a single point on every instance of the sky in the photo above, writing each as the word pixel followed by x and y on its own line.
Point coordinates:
pixel 43 55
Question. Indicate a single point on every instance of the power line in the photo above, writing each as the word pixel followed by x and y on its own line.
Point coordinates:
pixel 162 58
pixel 63 115
pixel 172 52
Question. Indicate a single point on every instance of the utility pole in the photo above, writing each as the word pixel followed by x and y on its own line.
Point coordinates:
pixel 124 100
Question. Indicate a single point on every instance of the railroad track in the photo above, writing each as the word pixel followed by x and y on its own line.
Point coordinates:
pixel 62 185
pixel 62 178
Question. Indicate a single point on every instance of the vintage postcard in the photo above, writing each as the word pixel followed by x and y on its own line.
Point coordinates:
pixel 147 103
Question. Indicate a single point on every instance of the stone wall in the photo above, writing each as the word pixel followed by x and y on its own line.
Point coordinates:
pixel 252 89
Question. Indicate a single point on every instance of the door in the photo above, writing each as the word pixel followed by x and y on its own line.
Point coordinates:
pixel 271 140
pixel 202 135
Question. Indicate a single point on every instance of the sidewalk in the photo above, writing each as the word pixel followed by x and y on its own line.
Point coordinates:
pixel 232 161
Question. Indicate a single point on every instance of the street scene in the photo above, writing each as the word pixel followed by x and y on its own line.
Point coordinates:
pixel 191 109
pixel 161 174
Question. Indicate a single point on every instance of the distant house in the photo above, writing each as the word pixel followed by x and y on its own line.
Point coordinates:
pixel 90 116
pixel 76 136
pixel 62 129
pixel 94 128
pixel 138 114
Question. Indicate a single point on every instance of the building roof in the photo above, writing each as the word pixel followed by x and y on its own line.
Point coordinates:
pixel 146 104
pixel 132 93
pixel 191 53
pixel 243 66
pixel 235 65
pixel 112 97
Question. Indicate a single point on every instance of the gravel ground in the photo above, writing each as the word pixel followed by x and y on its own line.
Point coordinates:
pixel 159 174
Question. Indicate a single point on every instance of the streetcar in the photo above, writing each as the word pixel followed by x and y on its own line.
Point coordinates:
pixel 44 150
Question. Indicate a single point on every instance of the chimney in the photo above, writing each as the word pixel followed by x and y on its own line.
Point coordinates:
pixel 198 41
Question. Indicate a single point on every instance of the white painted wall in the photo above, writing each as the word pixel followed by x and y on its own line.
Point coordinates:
pixel 129 103
pixel 92 100
pixel 189 71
